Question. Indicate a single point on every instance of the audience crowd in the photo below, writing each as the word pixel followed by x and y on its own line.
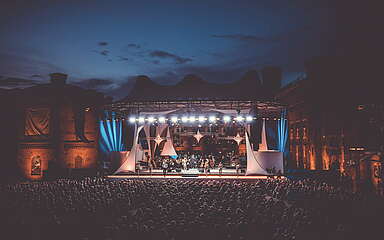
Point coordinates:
pixel 101 208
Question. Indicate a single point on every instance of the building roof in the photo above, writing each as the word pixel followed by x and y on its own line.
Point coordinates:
pixel 192 87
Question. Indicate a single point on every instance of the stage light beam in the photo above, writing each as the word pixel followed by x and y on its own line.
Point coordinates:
pixel 212 119
pixel 201 118
pixel 151 119
pixel 141 120
pixel 192 119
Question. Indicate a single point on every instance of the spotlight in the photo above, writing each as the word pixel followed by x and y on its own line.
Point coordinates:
pixel 162 119
pixel 141 119
pixel 174 119
pixel 239 118
pixel 192 118
pixel 201 118
pixel 132 120
pixel 249 118
pixel 184 119
pixel 212 119
pixel 151 119
pixel 226 118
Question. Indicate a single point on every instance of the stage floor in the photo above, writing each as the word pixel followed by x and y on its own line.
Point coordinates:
pixel 190 173
pixel 183 176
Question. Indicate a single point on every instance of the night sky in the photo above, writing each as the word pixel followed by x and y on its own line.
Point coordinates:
pixel 105 44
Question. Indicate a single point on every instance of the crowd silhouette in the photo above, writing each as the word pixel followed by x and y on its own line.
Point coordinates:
pixel 101 208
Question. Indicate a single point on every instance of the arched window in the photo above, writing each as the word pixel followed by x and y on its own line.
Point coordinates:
pixel 36 165
pixel 78 162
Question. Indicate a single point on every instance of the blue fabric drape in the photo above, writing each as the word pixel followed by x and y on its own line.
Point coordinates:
pixel 282 128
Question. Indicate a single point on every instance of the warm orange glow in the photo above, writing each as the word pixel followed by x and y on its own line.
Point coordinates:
pixel 30 151
pixel 305 162
pixel 312 159
pixel 73 154
pixel 360 107
pixel 297 155
pixel 325 157
pixel 342 159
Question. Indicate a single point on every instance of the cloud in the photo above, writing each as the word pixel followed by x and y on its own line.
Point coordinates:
pixel 103 52
pixel 121 58
pixel 246 37
pixel 102 44
pixel 133 45
pixel 261 39
pixel 167 55
pixel 23 67
pixel 13 82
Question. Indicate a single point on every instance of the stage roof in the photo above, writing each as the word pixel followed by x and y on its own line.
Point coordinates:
pixel 129 107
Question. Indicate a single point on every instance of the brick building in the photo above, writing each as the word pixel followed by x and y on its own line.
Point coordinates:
pixel 336 121
pixel 51 126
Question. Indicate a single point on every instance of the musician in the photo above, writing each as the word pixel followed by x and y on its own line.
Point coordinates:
pixel 150 167
pixel 220 168
pixel 212 162
pixel 185 163
pixel 237 168
pixel 206 166
pixel 165 167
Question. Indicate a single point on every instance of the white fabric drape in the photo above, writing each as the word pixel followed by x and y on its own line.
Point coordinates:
pixel 263 146
pixel 159 130
pixel 129 164
pixel 168 149
pixel 270 159
pixel 147 130
pixel 253 166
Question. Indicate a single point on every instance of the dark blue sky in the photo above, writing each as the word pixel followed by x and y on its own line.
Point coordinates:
pixel 104 44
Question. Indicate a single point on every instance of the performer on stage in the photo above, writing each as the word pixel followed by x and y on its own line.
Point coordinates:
pixel 237 168
pixel 206 167
pixel 150 167
pixel 165 167
pixel 220 168
pixel 185 164
pixel 212 162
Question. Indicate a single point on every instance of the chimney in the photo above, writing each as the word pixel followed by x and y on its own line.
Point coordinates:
pixel 58 79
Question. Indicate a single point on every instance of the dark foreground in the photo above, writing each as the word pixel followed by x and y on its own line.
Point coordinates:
pixel 97 208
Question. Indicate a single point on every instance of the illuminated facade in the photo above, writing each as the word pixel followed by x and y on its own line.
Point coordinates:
pixel 59 128
pixel 332 127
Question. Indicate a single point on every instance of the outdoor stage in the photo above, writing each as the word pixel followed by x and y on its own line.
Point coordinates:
pixel 195 135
